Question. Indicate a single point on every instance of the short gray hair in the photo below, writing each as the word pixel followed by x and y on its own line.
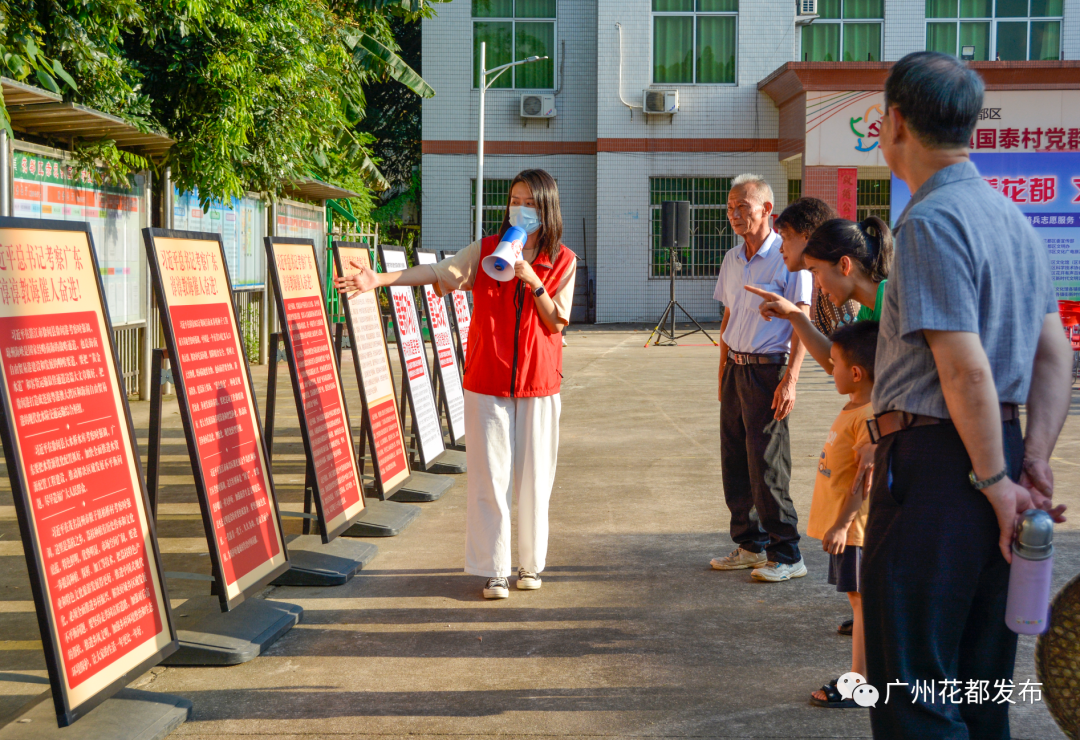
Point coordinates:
pixel 760 186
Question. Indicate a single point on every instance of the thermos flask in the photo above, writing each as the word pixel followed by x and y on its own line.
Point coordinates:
pixel 1027 611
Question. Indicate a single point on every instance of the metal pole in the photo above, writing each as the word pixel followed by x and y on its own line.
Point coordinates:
pixel 148 335
pixel 479 231
pixel 5 175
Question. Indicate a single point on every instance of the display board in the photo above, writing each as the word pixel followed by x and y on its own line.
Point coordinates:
pixel 242 225
pixel 78 489
pixel 302 221
pixel 414 367
pixel 217 406
pixel 372 362
pixel 1046 188
pixel 55 189
pixel 462 319
pixel 446 361
pixel 320 400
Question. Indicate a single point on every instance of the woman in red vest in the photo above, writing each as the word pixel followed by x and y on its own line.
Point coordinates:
pixel 513 371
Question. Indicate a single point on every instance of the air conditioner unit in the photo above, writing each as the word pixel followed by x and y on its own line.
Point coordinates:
pixel 806 7
pixel 660 101
pixel 538 106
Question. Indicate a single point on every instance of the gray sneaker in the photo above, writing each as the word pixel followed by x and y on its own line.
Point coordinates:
pixel 497 588
pixel 738 560
pixel 528 581
pixel 776 572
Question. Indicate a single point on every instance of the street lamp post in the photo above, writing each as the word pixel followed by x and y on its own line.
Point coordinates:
pixel 484 85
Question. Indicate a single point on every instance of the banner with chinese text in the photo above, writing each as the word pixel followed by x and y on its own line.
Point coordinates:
pixel 414 365
pixel 1047 190
pixel 242 225
pixel 217 405
pixel 53 188
pixel 324 418
pixel 442 341
pixel 372 364
pixel 74 469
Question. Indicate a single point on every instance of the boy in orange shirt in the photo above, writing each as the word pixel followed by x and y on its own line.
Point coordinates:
pixel 838 515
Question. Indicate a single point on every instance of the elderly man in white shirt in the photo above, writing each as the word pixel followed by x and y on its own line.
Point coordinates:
pixel 759 367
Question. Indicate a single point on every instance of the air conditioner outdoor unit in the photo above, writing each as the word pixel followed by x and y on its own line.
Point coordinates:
pixel 538 106
pixel 807 7
pixel 660 101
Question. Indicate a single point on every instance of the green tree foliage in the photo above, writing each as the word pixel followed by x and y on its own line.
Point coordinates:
pixel 255 92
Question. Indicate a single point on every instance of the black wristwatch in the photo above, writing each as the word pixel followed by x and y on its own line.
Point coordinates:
pixel 539 291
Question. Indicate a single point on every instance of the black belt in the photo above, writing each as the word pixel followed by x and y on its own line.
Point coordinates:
pixel 892 422
pixel 743 358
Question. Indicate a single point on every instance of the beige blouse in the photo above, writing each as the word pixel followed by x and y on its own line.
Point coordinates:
pixel 458 272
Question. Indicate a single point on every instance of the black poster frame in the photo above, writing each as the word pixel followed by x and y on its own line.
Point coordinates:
pixel 443 396
pixel 406 382
pixel 279 300
pixel 65 713
pixel 368 430
pixel 149 235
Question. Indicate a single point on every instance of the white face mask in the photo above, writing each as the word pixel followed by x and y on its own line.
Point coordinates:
pixel 524 218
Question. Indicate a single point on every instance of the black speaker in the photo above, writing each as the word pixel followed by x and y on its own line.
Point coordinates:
pixel 675 224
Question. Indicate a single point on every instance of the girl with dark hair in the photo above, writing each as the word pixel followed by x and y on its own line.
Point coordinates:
pixel 850 261
pixel 512 379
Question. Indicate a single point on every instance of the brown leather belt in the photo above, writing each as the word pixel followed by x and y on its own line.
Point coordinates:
pixel 892 422
pixel 743 358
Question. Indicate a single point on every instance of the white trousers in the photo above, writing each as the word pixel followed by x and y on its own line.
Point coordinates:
pixel 509 441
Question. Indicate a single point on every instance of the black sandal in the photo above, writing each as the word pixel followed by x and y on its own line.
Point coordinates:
pixel 845 628
pixel 835 701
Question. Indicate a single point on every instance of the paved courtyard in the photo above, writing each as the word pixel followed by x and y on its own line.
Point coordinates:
pixel 632 634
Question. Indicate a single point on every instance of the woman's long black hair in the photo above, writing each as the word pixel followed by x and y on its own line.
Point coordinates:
pixel 546 194
pixel 868 244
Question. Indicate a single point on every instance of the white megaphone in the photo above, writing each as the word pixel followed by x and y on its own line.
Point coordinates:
pixel 499 265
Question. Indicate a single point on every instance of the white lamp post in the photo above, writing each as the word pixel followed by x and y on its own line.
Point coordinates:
pixel 484 85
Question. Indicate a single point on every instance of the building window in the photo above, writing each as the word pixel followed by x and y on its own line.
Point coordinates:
pixel 846 30
pixel 496 196
pixel 794 191
pixel 710 233
pixel 872 199
pixel 515 30
pixel 1013 30
pixel 694 41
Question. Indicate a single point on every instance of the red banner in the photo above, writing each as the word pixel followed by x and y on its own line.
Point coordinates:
pixel 847 179
pixel 225 438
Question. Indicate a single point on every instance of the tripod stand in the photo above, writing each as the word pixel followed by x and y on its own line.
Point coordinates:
pixel 675 229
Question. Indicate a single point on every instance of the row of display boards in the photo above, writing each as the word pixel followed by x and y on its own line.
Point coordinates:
pixel 87 514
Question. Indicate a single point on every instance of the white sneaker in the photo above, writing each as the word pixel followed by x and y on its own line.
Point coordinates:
pixel 739 559
pixel 776 572
pixel 528 581
pixel 497 588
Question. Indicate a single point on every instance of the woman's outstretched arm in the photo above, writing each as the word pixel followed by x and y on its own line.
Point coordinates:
pixel 367 279
pixel 777 307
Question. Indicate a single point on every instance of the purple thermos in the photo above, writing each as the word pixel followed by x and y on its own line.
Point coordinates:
pixel 1028 609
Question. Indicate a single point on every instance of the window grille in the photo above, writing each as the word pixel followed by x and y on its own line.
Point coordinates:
pixel 710 233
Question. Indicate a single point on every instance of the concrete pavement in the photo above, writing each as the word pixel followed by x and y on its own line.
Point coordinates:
pixel 632 634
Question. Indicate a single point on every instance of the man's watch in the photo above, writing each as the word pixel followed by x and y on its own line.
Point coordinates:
pixel 979 485
pixel 539 291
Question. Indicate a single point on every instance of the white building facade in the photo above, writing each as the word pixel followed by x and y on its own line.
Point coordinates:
pixel 758 87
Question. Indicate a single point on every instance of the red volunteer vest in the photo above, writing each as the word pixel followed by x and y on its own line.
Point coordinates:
pixel 511 352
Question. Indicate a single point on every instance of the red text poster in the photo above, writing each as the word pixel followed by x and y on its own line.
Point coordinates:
pixel 443 341
pixel 369 351
pixel 411 344
pixel 463 319
pixel 81 489
pixel 315 371
pixel 211 372
pixel 846 192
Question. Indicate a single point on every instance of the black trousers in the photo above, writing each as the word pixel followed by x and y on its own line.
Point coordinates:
pixel 935 586
pixel 755 462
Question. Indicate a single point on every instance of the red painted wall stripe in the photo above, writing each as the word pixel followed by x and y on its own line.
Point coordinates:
pixel 431 146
